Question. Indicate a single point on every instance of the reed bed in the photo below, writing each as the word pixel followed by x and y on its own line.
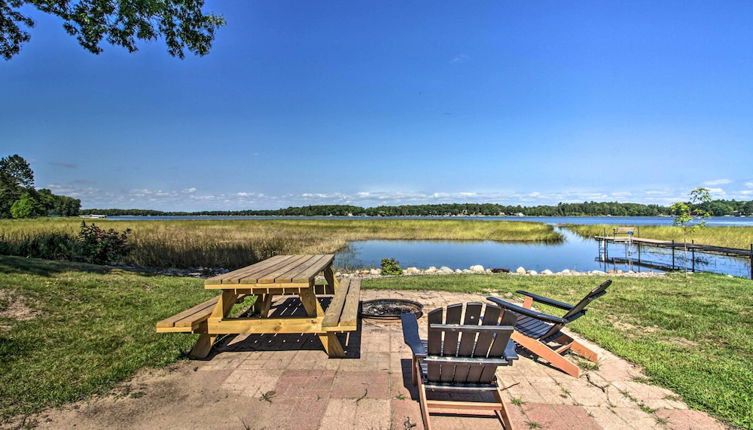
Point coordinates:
pixel 236 243
pixel 729 236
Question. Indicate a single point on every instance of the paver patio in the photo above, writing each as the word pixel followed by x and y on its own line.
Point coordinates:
pixel 287 381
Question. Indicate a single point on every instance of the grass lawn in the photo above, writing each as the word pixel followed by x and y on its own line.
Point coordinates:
pixel 693 335
pixel 237 243
pixel 729 236
pixel 70 330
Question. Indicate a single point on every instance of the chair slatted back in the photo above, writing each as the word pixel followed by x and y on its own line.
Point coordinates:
pixel 579 308
pixel 465 346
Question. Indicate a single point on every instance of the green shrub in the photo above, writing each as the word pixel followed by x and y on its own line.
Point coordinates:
pixel 390 266
pixel 92 245
pixel 98 246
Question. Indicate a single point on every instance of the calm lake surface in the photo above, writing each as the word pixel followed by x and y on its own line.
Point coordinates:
pixel 575 253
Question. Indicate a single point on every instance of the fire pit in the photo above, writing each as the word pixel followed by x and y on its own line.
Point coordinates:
pixel 390 309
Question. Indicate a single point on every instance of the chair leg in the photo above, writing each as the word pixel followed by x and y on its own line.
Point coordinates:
pixel 546 353
pixel 571 344
pixel 414 371
pixel 423 405
pixel 502 414
pixel 584 351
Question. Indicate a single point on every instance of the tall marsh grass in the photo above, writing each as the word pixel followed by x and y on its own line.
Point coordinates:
pixel 729 236
pixel 236 243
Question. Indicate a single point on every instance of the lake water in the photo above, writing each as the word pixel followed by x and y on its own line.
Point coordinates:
pixel 575 253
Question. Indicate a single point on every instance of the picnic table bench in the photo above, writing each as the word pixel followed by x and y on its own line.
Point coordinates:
pixel 279 275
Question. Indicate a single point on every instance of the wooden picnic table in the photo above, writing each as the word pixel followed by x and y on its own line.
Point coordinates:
pixel 279 275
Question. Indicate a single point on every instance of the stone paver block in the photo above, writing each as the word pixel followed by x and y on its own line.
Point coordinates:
pixel 406 415
pixel 303 383
pixel 356 385
pixel 251 383
pixel 688 420
pixel 340 414
pixel 607 419
pixel 295 413
pixel 372 414
pixel 618 370
pixel 637 418
pixel 559 417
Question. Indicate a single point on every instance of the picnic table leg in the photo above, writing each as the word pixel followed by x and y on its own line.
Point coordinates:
pixel 258 303
pixel 204 345
pixel 313 309
pixel 329 276
pixel 263 304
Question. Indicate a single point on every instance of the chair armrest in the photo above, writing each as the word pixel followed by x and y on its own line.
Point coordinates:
pixel 527 312
pixel 547 300
pixel 410 334
pixel 510 353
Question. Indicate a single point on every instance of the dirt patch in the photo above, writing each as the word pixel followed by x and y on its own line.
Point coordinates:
pixel 630 328
pixel 685 343
pixel 16 307
pixel 182 396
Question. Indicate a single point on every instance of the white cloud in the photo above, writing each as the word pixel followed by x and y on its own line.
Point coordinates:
pixel 621 194
pixel 717 191
pixel 460 58
pixel 718 182
pixel 749 184
pixel 190 190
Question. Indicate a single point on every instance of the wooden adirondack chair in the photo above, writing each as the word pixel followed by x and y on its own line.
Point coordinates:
pixel 461 354
pixel 541 333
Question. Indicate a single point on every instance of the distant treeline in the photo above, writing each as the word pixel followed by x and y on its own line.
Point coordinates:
pixel 716 208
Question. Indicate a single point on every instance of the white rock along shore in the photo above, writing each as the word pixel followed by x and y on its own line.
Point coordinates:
pixel 479 269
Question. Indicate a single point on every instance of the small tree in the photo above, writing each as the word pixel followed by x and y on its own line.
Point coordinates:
pixel 690 216
pixel 390 266
pixel 26 207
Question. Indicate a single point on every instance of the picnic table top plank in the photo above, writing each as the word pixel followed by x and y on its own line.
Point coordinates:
pixel 255 276
pixel 293 274
pixel 249 273
pixel 290 264
pixel 278 269
pixel 323 262
pixel 228 278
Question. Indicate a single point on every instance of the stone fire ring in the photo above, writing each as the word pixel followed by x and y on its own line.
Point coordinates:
pixel 390 309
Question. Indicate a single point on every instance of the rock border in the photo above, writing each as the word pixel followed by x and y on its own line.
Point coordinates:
pixel 479 269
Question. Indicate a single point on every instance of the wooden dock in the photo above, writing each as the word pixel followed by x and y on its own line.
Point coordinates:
pixel 665 267
pixel 736 252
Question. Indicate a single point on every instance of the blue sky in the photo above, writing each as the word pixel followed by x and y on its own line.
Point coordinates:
pixel 367 103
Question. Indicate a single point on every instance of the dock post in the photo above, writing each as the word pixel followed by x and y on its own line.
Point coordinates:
pixel 692 255
pixel 639 256
pixel 673 254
